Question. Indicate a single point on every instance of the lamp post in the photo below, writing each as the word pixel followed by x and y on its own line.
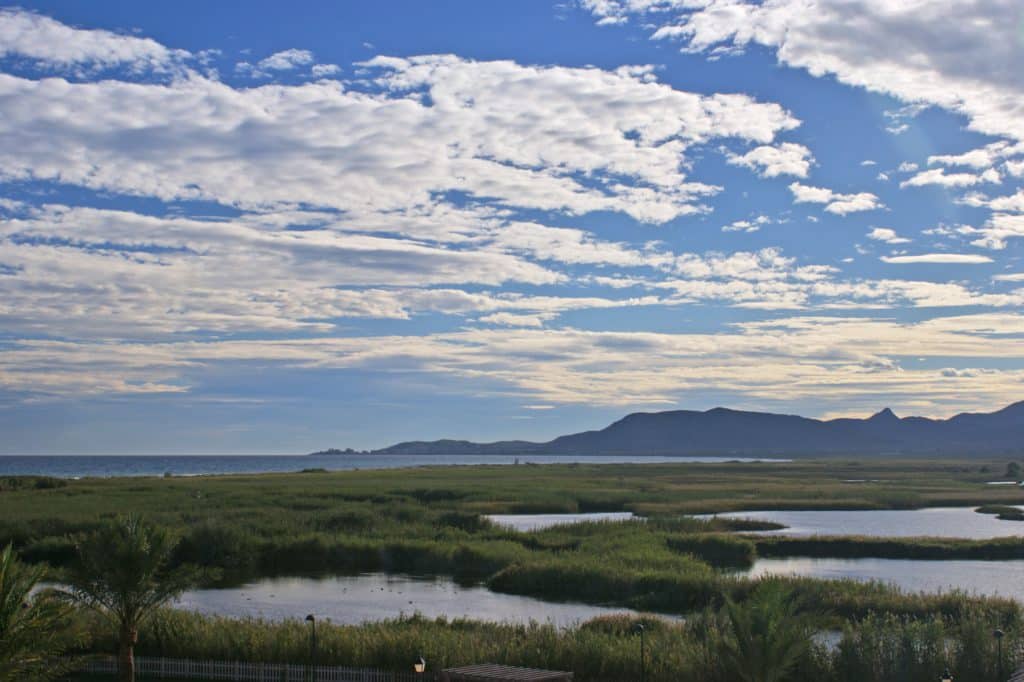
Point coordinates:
pixel 420 665
pixel 639 629
pixel 998 634
pixel 946 676
pixel 311 619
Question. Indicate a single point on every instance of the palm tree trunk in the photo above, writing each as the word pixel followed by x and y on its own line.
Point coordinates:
pixel 126 654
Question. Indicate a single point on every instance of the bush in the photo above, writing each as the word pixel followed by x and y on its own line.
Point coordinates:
pixel 215 545
pixel 12 483
pixel 471 523
pixel 56 551
pixel 724 551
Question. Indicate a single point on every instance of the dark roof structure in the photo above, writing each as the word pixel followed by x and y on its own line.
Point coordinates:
pixel 490 672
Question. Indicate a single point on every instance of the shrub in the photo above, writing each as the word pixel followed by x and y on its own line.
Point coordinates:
pixel 725 551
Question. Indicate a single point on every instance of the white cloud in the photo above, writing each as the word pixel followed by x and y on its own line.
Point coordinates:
pixel 945 258
pixel 517 320
pixel 841 204
pixel 887 235
pixel 807 194
pixel 91 272
pixel 286 60
pixel 1013 277
pixel 868 162
pixel 751 225
pixel 1012 203
pixel 938 176
pixel 998 229
pixel 983 157
pixel 991 176
pixel 962 57
pixel 325 70
pixel 831 359
pixel 741 226
pixel 568 245
pixel 40 38
pixel 769 162
pixel 343 209
pixel 548 138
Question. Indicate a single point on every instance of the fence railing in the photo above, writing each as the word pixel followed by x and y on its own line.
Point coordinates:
pixel 239 671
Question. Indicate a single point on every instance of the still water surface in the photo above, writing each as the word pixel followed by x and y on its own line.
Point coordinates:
pixel 947 522
pixel 528 522
pixel 378 596
pixel 1002 578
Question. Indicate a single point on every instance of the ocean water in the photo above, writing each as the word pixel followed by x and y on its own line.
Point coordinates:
pixel 80 466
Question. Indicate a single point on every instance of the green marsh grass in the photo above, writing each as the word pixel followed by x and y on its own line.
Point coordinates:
pixel 877 648
pixel 429 520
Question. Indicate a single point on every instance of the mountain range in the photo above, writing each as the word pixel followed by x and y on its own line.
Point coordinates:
pixel 725 432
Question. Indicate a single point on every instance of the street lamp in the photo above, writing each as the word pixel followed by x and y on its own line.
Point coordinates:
pixel 998 634
pixel 946 676
pixel 419 665
pixel 639 629
pixel 311 619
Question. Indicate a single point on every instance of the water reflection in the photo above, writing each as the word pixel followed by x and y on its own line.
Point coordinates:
pixel 990 578
pixel 528 522
pixel 948 522
pixel 378 596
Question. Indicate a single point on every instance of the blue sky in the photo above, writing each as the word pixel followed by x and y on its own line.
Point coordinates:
pixel 272 228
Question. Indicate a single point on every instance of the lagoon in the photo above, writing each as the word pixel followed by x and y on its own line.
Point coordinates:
pixel 529 522
pixel 988 578
pixel 370 597
pixel 946 522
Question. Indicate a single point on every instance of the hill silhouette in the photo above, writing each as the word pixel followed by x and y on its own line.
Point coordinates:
pixel 725 432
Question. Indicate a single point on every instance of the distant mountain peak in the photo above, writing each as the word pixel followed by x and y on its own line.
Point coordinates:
pixel 884 415
pixel 725 432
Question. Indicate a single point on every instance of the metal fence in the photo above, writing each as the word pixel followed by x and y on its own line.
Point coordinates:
pixel 238 671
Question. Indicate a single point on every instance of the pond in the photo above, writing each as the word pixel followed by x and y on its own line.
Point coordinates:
pixel 989 578
pixel 377 596
pixel 528 522
pixel 949 522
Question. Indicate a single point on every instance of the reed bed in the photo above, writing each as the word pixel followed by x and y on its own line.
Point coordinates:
pixel 429 521
pixel 877 648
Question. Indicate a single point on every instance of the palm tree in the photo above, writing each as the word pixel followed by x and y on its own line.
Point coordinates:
pixel 123 572
pixel 32 628
pixel 769 635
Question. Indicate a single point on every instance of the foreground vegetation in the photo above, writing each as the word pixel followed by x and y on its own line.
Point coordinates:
pixel 877 648
pixel 32 630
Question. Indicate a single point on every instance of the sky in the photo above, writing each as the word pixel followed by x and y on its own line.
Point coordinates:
pixel 263 227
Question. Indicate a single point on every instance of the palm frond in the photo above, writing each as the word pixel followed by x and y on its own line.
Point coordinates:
pixel 33 626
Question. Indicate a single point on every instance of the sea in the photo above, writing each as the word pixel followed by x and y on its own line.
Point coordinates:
pixel 84 466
